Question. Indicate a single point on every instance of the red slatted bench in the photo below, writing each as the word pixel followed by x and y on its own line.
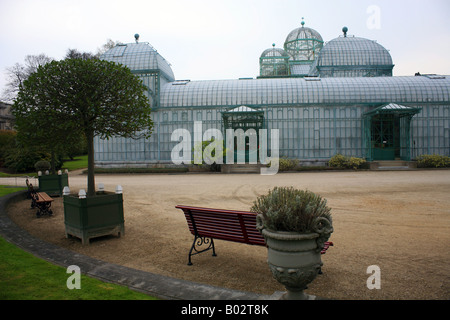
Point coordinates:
pixel 207 224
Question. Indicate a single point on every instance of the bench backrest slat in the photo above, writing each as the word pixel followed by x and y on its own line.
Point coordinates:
pixel 238 226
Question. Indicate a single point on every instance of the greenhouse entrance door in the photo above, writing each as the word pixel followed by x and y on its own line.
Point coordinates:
pixel 385 137
pixel 250 121
pixel 387 132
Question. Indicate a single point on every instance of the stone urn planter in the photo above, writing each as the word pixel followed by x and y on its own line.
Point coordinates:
pixel 95 216
pixel 295 225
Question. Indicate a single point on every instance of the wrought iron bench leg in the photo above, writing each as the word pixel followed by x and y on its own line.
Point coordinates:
pixel 44 208
pixel 197 243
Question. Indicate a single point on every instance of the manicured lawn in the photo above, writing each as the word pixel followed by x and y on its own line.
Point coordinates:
pixel 6 175
pixel 4 190
pixel 25 277
pixel 79 162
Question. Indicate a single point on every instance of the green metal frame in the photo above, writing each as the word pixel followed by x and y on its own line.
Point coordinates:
pixel 274 67
pixel 244 118
pixel 308 48
pixel 387 133
pixel 151 79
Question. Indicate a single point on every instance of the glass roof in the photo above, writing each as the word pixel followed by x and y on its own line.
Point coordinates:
pixel 353 51
pixel 242 109
pixel 274 52
pixel 393 108
pixel 139 57
pixel 301 91
pixel 300 69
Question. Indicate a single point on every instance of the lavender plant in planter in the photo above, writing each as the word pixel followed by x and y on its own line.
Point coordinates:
pixel 295 224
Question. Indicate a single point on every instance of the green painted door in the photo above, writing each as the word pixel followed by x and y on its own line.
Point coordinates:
pixel 385 137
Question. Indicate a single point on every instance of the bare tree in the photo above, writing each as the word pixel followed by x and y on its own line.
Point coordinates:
pixel 18 73
pixel 108 45
pixel 75 54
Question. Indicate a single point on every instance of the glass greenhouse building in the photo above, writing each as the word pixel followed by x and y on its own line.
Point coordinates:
pixel 324 98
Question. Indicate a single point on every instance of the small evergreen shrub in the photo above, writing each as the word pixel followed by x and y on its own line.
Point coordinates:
pixel 42 165
pixel 286 164
pixel 341 161
pixel 338 161
pixel 23 159
pixel 433 161
pixel 7 142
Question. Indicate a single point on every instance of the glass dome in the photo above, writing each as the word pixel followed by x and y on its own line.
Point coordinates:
pixel 139 57
pixel 274 62
pixel 349 56
pixel 303 44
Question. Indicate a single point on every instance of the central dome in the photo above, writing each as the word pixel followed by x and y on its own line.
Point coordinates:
pixel 303 44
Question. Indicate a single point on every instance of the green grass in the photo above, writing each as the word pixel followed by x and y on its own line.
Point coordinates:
pixel 79 162
pixel 4 190
pixel 8 175
pixel 25 277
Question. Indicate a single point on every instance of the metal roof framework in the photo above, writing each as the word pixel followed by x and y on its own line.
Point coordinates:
pixel 372 91
pixel 274 62
pixel 243 117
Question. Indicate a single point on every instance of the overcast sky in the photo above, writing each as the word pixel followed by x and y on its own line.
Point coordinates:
pixel 212 39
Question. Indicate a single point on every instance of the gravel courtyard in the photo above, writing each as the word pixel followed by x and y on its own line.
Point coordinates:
pixel 396 220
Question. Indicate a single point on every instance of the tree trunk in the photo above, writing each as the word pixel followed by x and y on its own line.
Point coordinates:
pixel 53 162
pixel 91 176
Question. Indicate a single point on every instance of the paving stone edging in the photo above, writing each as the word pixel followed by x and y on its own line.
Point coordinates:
pixel 156 285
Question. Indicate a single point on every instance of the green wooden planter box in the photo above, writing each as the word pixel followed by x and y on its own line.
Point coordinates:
pixel 53 184
pixel 93 216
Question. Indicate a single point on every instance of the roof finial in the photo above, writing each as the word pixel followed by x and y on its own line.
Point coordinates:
pixel 136 36
pixel 344 30
pixel 273 45
pixel 303 22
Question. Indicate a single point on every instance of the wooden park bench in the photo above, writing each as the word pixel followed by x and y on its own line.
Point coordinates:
pixel 40 200
pixel 230 225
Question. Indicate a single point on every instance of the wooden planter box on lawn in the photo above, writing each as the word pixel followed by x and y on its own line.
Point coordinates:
pixel 93 216
pixel 53 184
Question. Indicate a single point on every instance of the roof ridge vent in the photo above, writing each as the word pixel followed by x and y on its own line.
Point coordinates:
pixel 180 82
pixel 433 76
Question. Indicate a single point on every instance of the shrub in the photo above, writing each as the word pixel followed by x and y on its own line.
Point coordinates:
pixel 433 161
pixel 7 141
pixel 23 159
pixel 289 209
pixel 338 161
pixel 42 165
pixel 341 161
pixel 214 166
pixel 355 163
pixel 286 164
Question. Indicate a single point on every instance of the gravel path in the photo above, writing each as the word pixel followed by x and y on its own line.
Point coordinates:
pixel 396 220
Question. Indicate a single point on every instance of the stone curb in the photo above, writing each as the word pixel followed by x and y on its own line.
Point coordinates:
pixel 155 285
